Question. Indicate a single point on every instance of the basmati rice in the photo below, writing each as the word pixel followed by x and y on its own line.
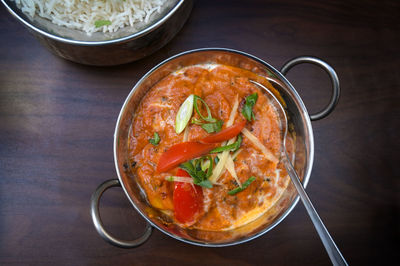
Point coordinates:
pixel 82 14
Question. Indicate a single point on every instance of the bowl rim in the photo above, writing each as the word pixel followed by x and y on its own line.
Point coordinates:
pixel 308 169
pixel 130 37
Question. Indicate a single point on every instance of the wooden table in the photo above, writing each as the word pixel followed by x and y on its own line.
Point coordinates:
pixel 57 120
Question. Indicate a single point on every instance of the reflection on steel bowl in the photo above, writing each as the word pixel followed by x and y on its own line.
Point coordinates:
pixel 197 149
pixel 127 44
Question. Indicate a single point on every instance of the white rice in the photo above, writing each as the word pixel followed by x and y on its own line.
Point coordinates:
pixel 82 14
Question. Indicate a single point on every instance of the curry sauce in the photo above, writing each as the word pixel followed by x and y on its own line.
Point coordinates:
pixel 219 86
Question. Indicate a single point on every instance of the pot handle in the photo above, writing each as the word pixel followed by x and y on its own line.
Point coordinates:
pixel 332 74
pixel 94 210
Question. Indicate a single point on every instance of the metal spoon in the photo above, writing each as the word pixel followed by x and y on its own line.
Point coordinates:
pixel 330 246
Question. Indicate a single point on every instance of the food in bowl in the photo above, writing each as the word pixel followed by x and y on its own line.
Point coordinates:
pixel 93 15
pixel 204 147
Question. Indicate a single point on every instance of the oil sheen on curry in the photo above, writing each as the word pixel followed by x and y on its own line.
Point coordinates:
pixel 205 145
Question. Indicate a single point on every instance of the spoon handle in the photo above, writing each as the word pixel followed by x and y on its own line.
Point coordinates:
pixel 330 246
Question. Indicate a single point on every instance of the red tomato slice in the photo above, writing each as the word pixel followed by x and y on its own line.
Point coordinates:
pixel 225 134
pixel 182 152
pixel 188 201
pixel 182 173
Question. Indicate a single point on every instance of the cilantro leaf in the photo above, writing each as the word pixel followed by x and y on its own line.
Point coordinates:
pixel 205 183
pixel 194 169
pixel 101 23
pixel 155 140
pixel 247 110
pixel 189 168
pixel 213 127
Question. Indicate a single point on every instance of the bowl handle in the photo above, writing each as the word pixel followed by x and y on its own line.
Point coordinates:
pixel 94 210
pixel 332 74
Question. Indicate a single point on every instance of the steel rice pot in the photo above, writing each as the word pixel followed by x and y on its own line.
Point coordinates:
pixel 105 49
pixel 300 122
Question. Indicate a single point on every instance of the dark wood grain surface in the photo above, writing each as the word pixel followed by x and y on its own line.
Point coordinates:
pixel 57 120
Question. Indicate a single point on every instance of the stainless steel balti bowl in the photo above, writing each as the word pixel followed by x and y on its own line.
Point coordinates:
pixel 125 45
pixel 300 123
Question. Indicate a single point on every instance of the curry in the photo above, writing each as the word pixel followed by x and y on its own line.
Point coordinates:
pixel 205 145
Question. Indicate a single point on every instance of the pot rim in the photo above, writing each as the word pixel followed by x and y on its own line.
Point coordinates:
pixel 130 37
pixel 308 169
